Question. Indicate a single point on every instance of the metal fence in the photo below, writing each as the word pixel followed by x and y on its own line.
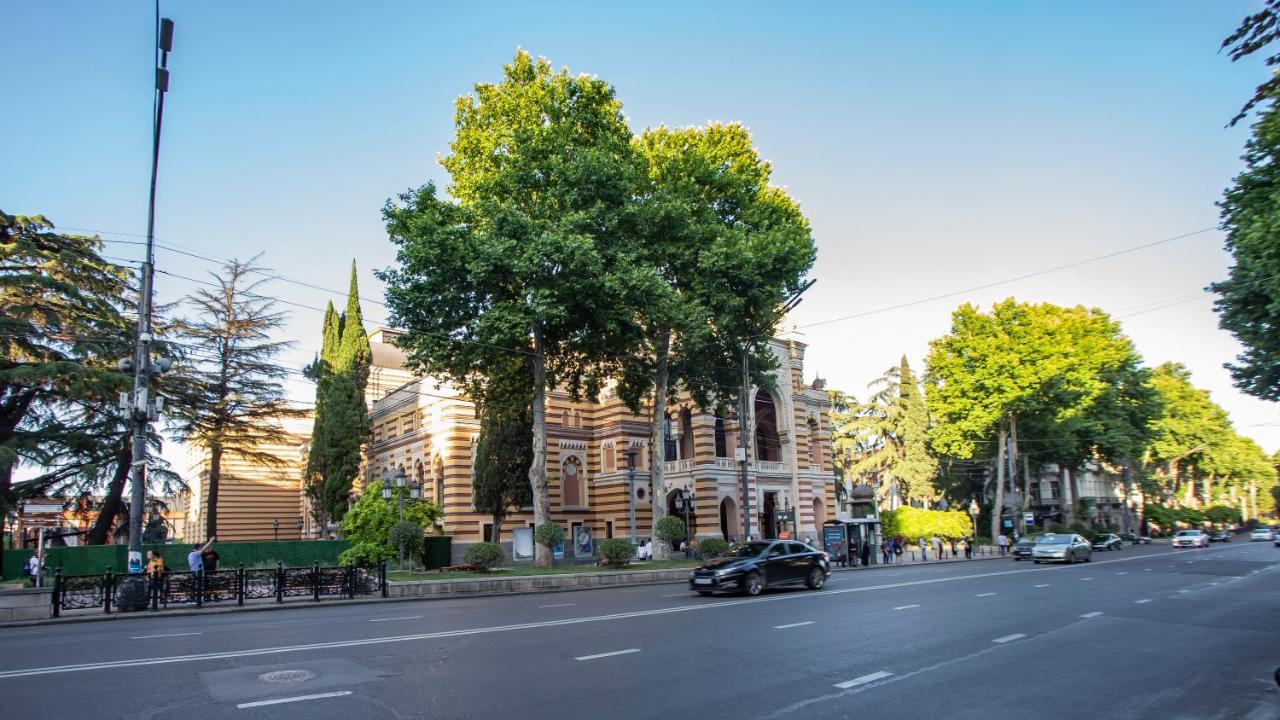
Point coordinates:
pixel 113 592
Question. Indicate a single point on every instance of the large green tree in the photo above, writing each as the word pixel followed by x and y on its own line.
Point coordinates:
pixel 504 451
pixel 1248 301
pixel 527 257
pixel 231 398
pixel 705 196
pixel 1069 370
pixel 61 330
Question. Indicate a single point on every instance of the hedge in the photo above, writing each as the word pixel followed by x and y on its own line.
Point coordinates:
pixel 95 559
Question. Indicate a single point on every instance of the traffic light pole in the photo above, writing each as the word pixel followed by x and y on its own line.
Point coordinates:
pixel 141 405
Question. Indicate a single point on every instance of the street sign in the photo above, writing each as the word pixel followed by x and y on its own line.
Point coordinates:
pixel 1029 518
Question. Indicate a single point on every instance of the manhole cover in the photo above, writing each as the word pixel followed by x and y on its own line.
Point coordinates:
pixel 286 676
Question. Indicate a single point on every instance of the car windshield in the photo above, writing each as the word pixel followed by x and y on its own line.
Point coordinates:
pixel 1029 540
pixel 746 550
pixel 1055 540
pixel 1101 538
pixel 1188 533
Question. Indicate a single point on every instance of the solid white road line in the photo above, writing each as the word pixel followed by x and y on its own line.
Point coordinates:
pixel 1009 638
pixel 1091 614
pixel 1043 585
pixel 984 595
pixel 906 607
pixel 1184 591
pixel 597 656
pixel 791 625
pixel 298 698
pixel 1083 579
pixel 1144 600
pixel 406 617
pixel 1122 573
pixel 165 635
pixel 542 607
pixel 863 680
pixel 418 637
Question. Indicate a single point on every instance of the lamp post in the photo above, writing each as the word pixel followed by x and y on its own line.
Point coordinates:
pixel 275 528
pixel 415 491
pixel 974 510
pixel 684 501
pixel 631 481
pixel 299 528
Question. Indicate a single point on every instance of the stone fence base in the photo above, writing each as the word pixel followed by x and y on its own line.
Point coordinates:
pixel 533 583
pixel 26 604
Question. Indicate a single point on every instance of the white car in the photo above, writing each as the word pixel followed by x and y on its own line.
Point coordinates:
pixel 1263 534
pixel 1190 539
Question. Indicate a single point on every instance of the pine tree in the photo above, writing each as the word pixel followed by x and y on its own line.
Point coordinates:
pixel 231 398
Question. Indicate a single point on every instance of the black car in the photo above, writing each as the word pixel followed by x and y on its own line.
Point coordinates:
pixel 1022 548
pixel 753 566
pixel 1219 536
pixel 1135 539
pixel 1106 541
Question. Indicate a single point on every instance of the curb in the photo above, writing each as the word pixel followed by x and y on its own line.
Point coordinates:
pixel 637 581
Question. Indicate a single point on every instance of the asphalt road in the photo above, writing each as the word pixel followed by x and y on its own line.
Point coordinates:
pixel 1142 633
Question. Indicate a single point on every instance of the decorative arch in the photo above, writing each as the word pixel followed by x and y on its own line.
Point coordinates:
pixel 686 434
pixel 819 512
pixel 728 517
pixel 572 482
pixel 438 473
pixel 768 440
pixel 815 445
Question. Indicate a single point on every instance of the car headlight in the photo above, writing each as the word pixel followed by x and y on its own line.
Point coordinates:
pixel 725 571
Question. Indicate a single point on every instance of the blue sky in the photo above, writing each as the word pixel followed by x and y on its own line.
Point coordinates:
pixel 935 146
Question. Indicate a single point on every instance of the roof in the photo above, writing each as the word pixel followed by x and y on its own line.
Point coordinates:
pixel 386 355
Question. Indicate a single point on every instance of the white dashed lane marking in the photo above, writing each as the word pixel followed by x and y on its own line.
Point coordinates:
pixel 1009 638
pixel 1091 614
pixel 1043 585
pixel 298 698
pixel 863 680
pixel 597 656
pixel 406 617
pixel 1144 600
pixel 791 625
pixel 906 607
pixel 165 635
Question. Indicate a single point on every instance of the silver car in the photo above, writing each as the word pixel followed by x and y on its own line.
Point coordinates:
pixel 1263 534
pixel 1190 539
pixel 1062 547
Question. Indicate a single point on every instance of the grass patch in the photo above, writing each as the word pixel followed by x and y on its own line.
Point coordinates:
pixel 525 570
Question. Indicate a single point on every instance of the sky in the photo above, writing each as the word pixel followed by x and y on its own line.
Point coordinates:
pixel 936 147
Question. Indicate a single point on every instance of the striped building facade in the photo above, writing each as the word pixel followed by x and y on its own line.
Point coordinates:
pixel 429 430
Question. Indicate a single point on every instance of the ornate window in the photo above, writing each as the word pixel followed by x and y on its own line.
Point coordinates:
pixel 610 460
pixel 722 442
pixel 815 446
pixel 571 483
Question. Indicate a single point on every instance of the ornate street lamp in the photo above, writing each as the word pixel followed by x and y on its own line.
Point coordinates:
pixel 974 510
pixel 631 480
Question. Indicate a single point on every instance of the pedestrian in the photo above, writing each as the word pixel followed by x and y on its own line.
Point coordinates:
pixel 954 554
pixel 924 551
pixel 209 558
pixel 886 549
pixel 968 547
pixel 155 572
pixel 937 547
pixel 195 565
pixel 1002 542
pixel 866 552
pixel 33 570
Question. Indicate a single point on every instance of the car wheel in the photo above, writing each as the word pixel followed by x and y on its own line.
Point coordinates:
pixel 1088 558
pixel 752 584
pixel 816 579
pixel 1036 562
pixel 704 593
pixel 1017 559
pixel 1071 558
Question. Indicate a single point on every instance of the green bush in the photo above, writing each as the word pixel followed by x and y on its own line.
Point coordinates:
pixel 1080 528
pixel 670 529
pixel 405 537
pixel 549 534
pixel 370 520
pixel 483 555
pixel 1057 528
pixel 713 548
pixel 366 553
pixel 916 523
pixel 616 552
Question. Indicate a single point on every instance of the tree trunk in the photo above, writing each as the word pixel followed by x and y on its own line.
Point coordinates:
pixel 658 445
pixel 538 468
pixel 1013 471
pixel 1068 494
pixel 1191 491
pixel 215 475
pixel 1077 506
pixel 111 502
pixel 1026 488
pixel 1208 489
pixel 997 509
pixel 496 538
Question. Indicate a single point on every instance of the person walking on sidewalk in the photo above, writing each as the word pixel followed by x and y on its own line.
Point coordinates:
pixel 1002 541
pixel 924 549
pixel 968 548
pixel 937 547
pixel 954 553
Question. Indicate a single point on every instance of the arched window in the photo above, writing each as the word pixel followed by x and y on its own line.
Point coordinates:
pixel 815 446
pixel 577 418
pixel 722 443
pixel 610 458
pixel 819 512
pixel 686 434
pixel 564 418
pixel 768 444
pixel 668 440
pixel 571 477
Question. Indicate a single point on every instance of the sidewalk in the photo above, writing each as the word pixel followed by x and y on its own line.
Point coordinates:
pixel 484 587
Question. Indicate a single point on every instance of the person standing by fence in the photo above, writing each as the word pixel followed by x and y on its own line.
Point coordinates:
pixel 195 564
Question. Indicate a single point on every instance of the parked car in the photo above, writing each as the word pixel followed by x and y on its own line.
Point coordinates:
pixel 1063 547
pixel 1263 534
pixel 752 567
pixel 1106 541
pixel 1022 548
pixel 1135 539
pixel 1190 539
pixel 1220 536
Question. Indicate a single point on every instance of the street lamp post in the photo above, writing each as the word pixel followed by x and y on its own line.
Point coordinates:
pixel 684 502
pixel 299 528
pixel 275 528
pixel 631 481
pixel 974 510
pixel 415 490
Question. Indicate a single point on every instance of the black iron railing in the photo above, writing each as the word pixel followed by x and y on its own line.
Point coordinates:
pixel 113 592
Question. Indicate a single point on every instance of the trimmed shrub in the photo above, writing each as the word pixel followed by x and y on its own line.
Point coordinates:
pixel 549 534
pixel 1080 528
pixel 713 548
pixel 917 523
pixel 616 552
pixel 483 555
pixel 365 553
pixel 670 529
pixel 405 537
